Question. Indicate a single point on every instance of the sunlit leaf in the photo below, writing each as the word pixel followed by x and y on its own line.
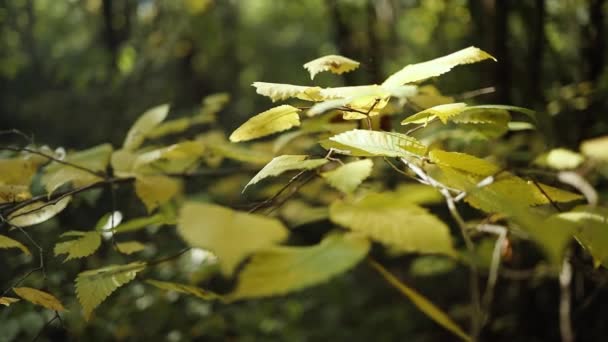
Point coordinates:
pixel 464 162
pixel 560 159
pixel 38 297
pixel 596 148
pixel 279 270
pixel 443 112
pixel 6 242
pixel 364 143
pixel 95 159
pixel 130 247
pixel 94 286
pixel 285 163
pixel 82 245
pixel 281 91
pixel 332 63
pixel 348 177
pixel 146 123
pixel 156 190
pixel 399 224
pixel 187 150
pixel 274 120
pixel 7 301
pixel 38 212
pixel 183 288
pixel 229 234
pixel 421 71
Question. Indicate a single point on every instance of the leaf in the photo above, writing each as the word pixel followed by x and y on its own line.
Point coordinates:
pixel 6 242
pixel 14 193
pixel 281 164
pixel 421 71
pixel 229 234
pixel 444 112
pixel 332 63
pixel 187 150
pixel 596 148
pixel 591 230
pixel 281 91
pixel 482 115
pixel 94 286
pixel 242 154
pixel 348 177
pixel 38 297
pixel 464 162
pixel 297 213
pixel 183 288
pixel 274 120
pixel 144 125
pixel 7 301
pixel 15 179
pixel 365 143
pixel 130 247
pixel 37 212
pixel 156 190
pixel 95 159
pixel 85 244
pixel 422 303
pixel 396 223
pixel 140 223
pixel 560 159
pixel 279 270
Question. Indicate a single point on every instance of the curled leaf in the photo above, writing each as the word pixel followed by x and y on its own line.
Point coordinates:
pixel 332 63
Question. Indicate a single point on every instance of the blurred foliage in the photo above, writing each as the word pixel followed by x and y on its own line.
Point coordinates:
pixel 77 73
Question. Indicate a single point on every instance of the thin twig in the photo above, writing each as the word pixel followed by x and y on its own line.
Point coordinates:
pixel 46 325
pixel 565 279
pixel 488 294
pixel 278 193
pixel 57 160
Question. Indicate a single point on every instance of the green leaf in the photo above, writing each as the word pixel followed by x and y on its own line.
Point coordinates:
pixel 141 223
pixel 154 191
pixel 279 270
pixel 94 286
pixel 37 212
pixel 229 234
pixel 422 303
pixel 399 224
pixel 332 63
pixel 144 125
pixel 464 162
pixel 591 230
pixel 7 301
pixel 281 164
pixel 38 297
pixel 83 245
pixel 274 120
pixel 443 112
pixel 348 177
pixel 421 71
pixel 183 288
pixel 365 143
pixel 297 213
pixel 6 242
pixel 95 159
pixel 130 247
pixel 596 148
pixel 241 153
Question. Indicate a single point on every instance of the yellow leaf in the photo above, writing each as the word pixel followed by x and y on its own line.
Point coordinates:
pixel 38 297
pixel 6 242
pixel 14 193
pixel 402 225
pixel 421 71
pixel 7 301
pixel 154 190
pixel 560 159
pixel 130 247
pixel 274 120
pixel 348 177
pixel 187 150
pixel 15 179
pixel 183 288
pixel 464 162
pixel 365 143
pixel 332 63
pixel 144 125
pixel 281 91
pixel 443 112
pixel 82 245
pixel 95 159
pixel 37 212
pixel 596 148
pixel 94 286
pixel 229 234
pixel 279 270
pixel 298 213
pixel 281 164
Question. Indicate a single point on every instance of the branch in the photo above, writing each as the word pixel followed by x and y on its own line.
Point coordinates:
pixel 57 160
